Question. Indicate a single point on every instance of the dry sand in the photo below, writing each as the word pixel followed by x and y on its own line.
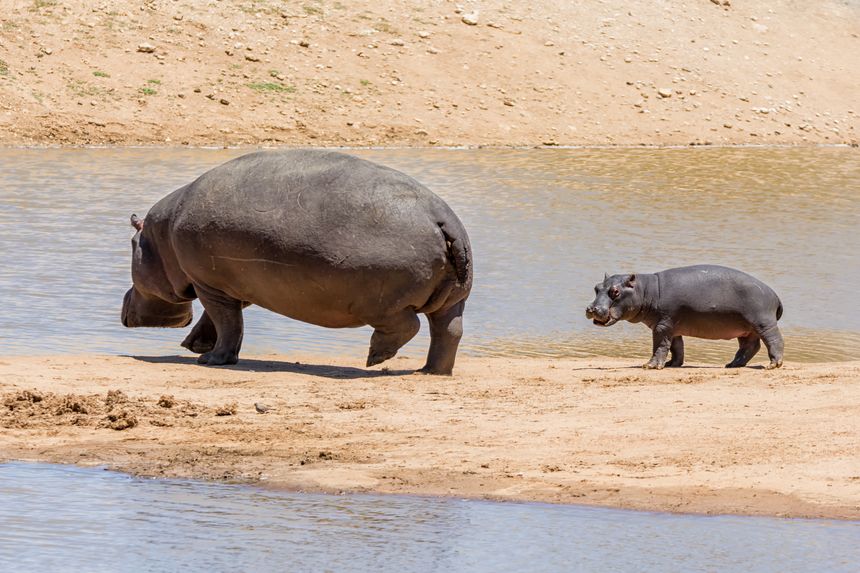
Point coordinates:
pixel 602 432
pixel 390 72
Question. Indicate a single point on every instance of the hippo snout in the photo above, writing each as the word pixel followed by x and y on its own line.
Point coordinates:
pixel 600 315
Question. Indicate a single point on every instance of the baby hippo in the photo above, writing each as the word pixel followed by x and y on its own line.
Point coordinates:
pixel 705 301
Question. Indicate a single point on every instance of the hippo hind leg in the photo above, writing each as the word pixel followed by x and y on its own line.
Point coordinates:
pixel 390 334
pixel 772 338
pixel 225 313
pixel 446 329
pixel 677 350
pixel 748 346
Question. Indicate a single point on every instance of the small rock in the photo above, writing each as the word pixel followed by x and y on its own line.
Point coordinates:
pixel 508 102
pixel 145 48
pixel 424 34
pixel 664 92
pixel 167 401
pixel 397 42
pixel 304 43
pixel 727 125
pixel 252 58
pixel 432 50
pixel 223 101
pixel 470 19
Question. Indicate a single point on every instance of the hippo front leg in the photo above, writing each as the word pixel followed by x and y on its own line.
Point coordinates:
pixel 225 313
pixel 662 336
pixel 446 329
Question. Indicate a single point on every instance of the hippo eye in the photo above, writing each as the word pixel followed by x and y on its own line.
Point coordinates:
pixel 613 293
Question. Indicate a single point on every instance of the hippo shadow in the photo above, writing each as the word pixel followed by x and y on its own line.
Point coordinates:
pixel 681 368
pixel 256 365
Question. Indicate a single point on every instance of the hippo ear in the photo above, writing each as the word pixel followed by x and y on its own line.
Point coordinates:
pixel 631 281
pixel 605 276
pixel 136 223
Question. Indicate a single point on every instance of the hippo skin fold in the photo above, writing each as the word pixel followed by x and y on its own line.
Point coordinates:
pixel 705 301
pixel 318 236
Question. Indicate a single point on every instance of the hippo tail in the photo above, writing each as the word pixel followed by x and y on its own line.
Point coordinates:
pixel 459 252
pixel 779 309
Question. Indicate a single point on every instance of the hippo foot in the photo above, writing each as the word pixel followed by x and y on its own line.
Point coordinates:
pixel 674 364
pixel 218 358
pixel 198 345
pixel 774 364
pixel 736 364
pixel 435 371
pixel 374 358
pixel 653 366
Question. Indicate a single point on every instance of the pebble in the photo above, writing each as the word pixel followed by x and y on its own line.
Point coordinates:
pixel 397 42
pixel 145 48
pixel 304 43
pixel 423 34
pixel 664 92
pixel 470 19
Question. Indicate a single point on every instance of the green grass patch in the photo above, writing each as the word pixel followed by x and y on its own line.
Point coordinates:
pixel 4 68
pixel 101 74
pixel 39 4
pixel 155 82
pixel 147 91
pixel 272 87
pixel 83 89
pixel 312 10
pixel 365 83
pixel 386 27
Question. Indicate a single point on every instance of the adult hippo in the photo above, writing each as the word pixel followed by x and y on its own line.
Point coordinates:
pixel 705 301
pixel 318 236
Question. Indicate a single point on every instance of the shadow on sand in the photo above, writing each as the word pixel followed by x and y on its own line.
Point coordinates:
pixel 255 365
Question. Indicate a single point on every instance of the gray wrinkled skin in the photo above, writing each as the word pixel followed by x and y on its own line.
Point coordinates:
pixel 318 236
pixel 705 301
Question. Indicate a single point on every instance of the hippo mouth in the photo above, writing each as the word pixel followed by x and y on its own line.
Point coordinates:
pixel 608 321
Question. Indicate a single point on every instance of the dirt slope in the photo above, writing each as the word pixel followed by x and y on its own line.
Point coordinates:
pixel 390 72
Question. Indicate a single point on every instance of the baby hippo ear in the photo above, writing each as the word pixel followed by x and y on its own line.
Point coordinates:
pixel 605 276
pixel 136 223
pixel 630 282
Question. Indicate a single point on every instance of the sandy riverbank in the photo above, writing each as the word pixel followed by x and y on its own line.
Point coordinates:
pixel 392 72
pixel 702 440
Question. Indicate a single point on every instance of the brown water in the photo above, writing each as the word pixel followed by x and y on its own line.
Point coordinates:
pixel 545 225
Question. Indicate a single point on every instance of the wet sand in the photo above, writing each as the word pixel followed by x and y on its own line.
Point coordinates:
pixel 598 432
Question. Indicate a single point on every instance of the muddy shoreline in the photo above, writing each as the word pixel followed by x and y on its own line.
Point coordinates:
pixel 597 432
